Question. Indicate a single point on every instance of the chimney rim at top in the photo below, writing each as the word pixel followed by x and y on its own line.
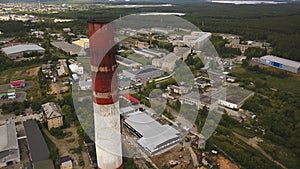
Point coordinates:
pixel 99 21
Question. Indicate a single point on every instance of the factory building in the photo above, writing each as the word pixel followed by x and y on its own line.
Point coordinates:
pixel 9 148
pixel 194 98
pixel 280 63
pixel 17 51
pixel 153 136
pixel 127 62
pixel 146 73
pixel 38 149
pixel 149 53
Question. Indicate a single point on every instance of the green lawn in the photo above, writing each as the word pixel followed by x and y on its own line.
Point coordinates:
pixel 290 84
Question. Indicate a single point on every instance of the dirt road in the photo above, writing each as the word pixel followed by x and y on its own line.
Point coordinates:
pixel 253 143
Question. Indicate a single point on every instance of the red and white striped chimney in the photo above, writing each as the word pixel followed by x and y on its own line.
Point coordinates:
pixel 105 95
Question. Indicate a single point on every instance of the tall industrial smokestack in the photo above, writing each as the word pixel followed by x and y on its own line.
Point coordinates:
pixel 105 95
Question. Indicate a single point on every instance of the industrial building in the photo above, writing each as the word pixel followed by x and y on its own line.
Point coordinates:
pixel 146 73
pixel 127 62
pixel 71 49
pixel 38 149
pixel 9 148
pixel 17 51
pixel 280 63
pixel 153 136
pixel 166 63
pixel 194 98
pixel 52 114
pixel 235 97
pixel 149 53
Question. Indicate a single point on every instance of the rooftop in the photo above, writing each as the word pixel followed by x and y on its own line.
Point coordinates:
pixel 46 164
pixel 21 48
pixel 51 110
pixel 37 145
pixel 126 61
pixel 154 134
pixel 8 139
pixel 282 61
pixel 67 47
pixel 145 69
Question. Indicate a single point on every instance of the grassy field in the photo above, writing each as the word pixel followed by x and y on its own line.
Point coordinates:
pixel 27 73
pixel 289 84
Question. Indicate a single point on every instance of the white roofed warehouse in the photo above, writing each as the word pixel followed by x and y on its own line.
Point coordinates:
pixel 17 51
pixel 280 63
pixel 9 148
pixel 153 136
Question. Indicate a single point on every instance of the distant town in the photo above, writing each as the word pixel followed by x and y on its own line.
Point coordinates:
pixel 47 93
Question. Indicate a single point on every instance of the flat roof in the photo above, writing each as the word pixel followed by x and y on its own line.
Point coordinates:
pixel 37 145
pixel 126 61
pixel 145 69
pixel 21 48
pixel 154 134
pixel 282 61
pixel 46 164
pixel 67 47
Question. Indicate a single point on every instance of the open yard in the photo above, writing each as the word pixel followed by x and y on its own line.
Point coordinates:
pixel 27 73
pixel 290 83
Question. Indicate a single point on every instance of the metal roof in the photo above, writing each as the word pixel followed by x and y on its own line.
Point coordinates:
pixel 282 61
pixel 8 137
pixel 154 134
pixel 127 61
pixel 21 48
pixel 51 110
pixel 37 145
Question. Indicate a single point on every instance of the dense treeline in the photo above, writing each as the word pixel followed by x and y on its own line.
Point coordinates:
pixel 224 52
pixel 278 24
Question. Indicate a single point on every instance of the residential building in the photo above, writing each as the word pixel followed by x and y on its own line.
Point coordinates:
pixel 9 148
pixel 182 52
pixel 166 63
pixel 52 114
pixel 196 40
pixel 66 162
pixel 62 69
